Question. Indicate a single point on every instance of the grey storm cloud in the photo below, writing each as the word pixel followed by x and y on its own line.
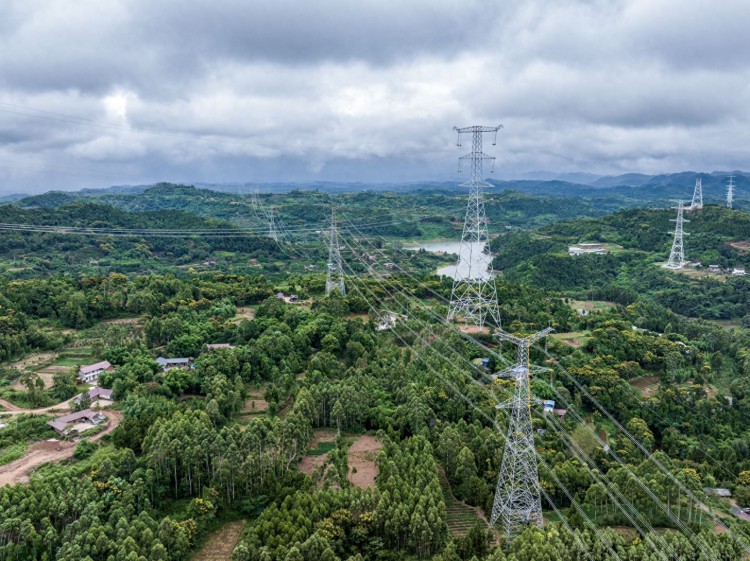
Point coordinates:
pixel 96 92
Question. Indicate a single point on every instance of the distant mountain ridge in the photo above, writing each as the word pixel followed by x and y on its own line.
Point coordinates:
pixel 631 188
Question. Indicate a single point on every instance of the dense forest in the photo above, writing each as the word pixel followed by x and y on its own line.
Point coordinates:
pixel 643 240
pixel 332 435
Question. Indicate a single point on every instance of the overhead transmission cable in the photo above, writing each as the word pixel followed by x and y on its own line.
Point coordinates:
pixel 643 533
pixel 647 454
pixel 492 421
pixel 677 521
pixel 497 355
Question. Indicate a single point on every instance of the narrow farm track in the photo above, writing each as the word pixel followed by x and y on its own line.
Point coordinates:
pixel 46 451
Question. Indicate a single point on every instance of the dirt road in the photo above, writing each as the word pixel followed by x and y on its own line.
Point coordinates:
pixel 11 409
pixel 49 451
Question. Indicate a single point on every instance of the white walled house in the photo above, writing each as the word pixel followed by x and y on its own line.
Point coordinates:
pixel 90 374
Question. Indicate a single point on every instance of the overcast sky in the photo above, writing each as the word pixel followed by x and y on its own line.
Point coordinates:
pixel 102 92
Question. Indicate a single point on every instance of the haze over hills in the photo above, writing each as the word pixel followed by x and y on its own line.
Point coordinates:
pixel 526 181
pixel 611 192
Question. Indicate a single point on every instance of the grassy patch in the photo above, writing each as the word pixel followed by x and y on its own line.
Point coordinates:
pixel 573 338
pixel 70 361
pixel 322 448
pixel 12 453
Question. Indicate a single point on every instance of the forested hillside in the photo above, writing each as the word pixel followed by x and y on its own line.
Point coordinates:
pixel 643 239
pixel 116 240
pixel 364 427
pixel 410 214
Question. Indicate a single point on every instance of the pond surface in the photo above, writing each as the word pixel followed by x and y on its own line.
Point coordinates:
pixel 474 263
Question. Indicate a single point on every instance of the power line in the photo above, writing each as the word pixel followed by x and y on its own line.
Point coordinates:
pixel 492 421
pixel 625 512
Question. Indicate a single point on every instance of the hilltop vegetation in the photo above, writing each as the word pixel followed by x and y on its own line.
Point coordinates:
pixel 540 258
pixel 28 254
pixel 399 214
pixel 656 402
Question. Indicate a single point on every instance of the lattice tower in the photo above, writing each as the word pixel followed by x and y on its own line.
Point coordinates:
pixel 697 203
pixel 677 255
pixel 474 294
pixel 273 232
pixel 517 497
pixel 335 274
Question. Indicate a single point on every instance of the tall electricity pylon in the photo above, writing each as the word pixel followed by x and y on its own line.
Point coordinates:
pixel 335 274
pixel 517 497
pixel 272 231
pixel 254 202
pixel 474 295
pixel 697 203
pixel 677 255
pixel 730 191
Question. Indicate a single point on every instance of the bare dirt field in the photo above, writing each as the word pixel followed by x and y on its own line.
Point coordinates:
pixel 310 463
pixel 363 317
pixel 244 313
pixel 573 338
pixel 362 455
pixel 221 543
pixel 255 403
pixel 473 329
pixel 591 305
pixel 48 451
pixel 33 361
pixel 743 246
pixel 47 374
pixel 648 385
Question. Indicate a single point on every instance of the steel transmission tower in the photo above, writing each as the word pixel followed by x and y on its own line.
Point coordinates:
pixel 697 203
pixel 730 191
pixel 517 497
pixel 254 202
pixel 335 274
pixel 272 231
pixel 474 295
pixel 677 255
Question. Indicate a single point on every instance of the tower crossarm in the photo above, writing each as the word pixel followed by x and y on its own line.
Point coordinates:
pixel 509 404
pixel 476 128
pixel 523 343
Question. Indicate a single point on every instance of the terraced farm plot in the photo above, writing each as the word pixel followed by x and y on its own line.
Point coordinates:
pixel 648 385
pixel 254 404
pixel 460 516
pixel 322 442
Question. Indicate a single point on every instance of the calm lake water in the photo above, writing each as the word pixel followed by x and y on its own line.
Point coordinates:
pixel 474 264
